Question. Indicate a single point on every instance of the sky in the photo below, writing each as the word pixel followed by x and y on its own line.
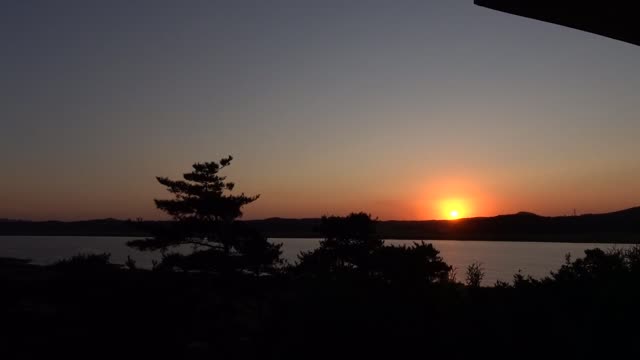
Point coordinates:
pixel 403 109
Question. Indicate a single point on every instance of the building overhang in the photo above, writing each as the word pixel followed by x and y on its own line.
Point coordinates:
pixel 615 19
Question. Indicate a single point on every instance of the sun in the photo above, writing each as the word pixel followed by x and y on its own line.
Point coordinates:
pixel 453 208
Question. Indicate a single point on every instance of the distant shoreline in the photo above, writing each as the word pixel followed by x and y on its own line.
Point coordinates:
pixel 610 238
pixel 621 227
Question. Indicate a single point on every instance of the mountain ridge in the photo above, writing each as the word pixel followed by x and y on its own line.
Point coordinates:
pixel 621 226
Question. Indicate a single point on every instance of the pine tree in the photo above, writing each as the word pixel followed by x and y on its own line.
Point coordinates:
pixel 205 215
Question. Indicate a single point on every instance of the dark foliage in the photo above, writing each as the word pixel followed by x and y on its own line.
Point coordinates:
pixel 347 245
pixel 352 246
pixel 353 297
pixel 599 268
pixel 205 217
pixel 418 263
pixel 86 263
pixel 474 275
pixel 587 309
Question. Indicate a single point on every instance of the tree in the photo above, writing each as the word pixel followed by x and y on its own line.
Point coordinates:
pixel 418 263
pixel 598 266
pixel 347 245
pixel 474 275
pixel 205 215
pixel 352 246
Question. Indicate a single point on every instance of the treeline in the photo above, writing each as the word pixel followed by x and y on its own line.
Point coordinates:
pixel 617 227
pixel 350 249
pixel 100 227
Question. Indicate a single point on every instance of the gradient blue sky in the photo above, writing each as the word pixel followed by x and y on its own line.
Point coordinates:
pixel 392 107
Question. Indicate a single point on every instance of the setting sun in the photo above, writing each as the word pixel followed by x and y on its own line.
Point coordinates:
pixel 454 208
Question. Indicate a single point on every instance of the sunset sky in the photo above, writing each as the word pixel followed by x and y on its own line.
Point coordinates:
pixel 403 109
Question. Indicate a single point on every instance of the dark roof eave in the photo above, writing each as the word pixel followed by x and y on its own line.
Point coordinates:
pixel 614 19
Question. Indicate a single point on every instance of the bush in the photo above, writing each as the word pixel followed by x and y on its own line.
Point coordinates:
pixel 417 263
pixel 475 274
pixel 86 263
pixel 351 246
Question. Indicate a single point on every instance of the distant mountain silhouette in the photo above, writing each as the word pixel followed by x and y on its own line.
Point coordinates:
pixel 526 213
pixel 619 226
pixel 98 227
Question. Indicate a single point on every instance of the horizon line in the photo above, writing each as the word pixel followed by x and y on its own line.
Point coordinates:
pixel 6 219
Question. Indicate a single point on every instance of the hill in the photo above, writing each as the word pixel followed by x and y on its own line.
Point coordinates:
pixel 619 227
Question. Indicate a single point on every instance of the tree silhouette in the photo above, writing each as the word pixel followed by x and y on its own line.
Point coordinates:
pixel 474 275
pixel 205 217
pixel 347 245
pixel 352 246
pixel 414 264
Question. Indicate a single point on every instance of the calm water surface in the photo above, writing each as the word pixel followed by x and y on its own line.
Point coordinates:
pixel 501 260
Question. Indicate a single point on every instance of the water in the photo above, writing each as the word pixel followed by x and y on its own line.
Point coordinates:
pixel 500 259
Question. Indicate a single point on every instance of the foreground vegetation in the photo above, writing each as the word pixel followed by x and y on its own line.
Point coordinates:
pixel 353 297
pixel 87 307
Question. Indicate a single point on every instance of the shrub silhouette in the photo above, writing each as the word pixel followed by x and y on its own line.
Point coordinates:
pixel 599 266
pixel 521 281
pixel 613 267
pixel 474 275
pixel 352 246
pixel 417 263
pixel 86 263
pixel 205 217
pixel 258 254
pixel 347 245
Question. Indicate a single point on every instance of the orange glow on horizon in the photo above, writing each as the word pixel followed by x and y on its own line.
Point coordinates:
pixel 455 208
pixel 454 197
